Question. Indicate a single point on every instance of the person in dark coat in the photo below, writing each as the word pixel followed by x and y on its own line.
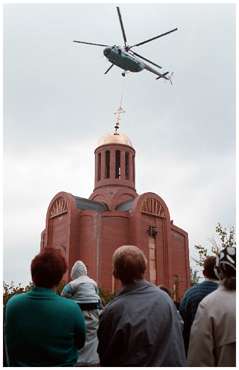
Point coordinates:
pixel 194 295
pixel 139 327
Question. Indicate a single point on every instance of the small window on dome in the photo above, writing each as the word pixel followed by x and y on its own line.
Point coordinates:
pixel 133 168
pixel 117 164
pixel 107 164
pixel 127 165
pixel 99 166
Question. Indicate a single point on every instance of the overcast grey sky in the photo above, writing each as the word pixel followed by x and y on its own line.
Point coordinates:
pixel 58 103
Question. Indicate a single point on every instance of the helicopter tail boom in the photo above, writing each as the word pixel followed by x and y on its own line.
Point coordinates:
pixel 160 75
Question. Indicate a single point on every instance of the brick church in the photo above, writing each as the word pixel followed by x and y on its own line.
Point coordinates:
pixel 114 215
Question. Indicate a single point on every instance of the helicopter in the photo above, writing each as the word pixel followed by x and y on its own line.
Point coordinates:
pixel 127 59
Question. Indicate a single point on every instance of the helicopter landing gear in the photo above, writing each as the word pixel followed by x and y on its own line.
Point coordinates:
pixel 123 74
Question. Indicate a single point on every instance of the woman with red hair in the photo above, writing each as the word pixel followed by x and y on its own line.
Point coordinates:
pixel 42 328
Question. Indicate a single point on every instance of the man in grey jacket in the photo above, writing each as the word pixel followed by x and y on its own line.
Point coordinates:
pixel 139 327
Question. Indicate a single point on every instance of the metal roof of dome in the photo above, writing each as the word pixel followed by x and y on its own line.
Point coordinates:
pixel 115 138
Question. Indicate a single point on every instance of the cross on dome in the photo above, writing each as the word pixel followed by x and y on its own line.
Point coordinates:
pixel 119 111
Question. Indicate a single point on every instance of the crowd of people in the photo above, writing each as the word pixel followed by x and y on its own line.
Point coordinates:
pixel 140 326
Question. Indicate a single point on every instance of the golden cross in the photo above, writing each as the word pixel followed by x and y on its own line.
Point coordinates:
pixel 117 115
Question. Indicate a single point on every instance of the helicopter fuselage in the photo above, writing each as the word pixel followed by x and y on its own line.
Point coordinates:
pixel 123 59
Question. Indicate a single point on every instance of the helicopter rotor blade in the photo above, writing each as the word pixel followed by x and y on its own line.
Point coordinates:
pixel 109 69
pixel 147 60
pixel 153 38
pixel 90 43
pixel 122 26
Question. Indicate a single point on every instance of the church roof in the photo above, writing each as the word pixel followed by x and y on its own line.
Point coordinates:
pixel 83 203
pixel 115 138
pixel 126 206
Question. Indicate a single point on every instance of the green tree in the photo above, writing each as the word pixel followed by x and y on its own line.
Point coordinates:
pixel 194 277
pixel 9 289
pixel 225 237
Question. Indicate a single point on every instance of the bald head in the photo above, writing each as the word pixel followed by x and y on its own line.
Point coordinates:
pixel 129 264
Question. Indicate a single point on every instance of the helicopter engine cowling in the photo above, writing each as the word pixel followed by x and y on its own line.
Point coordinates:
pixel 123 59
pixel 107 52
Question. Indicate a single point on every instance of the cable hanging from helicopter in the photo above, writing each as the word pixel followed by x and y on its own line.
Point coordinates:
pixel 120 110
pixel 127 59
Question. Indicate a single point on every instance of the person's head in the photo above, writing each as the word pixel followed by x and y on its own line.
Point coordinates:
pixel 226 267
pixel 48 268
pixel 78 269
pixel 129 264
pixel 165 289
pixel 209 268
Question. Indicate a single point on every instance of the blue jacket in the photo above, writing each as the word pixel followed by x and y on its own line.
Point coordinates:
pixel 189 304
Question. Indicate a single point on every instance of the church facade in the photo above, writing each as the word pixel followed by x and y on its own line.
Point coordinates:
pixel 114 215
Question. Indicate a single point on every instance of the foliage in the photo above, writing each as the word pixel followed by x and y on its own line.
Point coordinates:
pixel 60 287
pixel 105 296
pixel 202 254
pixel 224 238
pixel 194 278
pixel 10 289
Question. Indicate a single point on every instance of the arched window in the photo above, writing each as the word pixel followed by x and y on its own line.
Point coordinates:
pixel 127 165
pixel 99 166
pixel 107 164
pixel 117 164
pixel 152 260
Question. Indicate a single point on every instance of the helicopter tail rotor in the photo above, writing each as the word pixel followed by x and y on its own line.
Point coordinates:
pixel 168 78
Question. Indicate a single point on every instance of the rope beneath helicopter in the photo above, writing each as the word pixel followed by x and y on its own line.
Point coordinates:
pixel 122 90
pixel 120 110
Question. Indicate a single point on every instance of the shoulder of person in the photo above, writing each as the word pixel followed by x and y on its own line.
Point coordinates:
pixel 210 300
pixel 190 292
pixel 70 303
pixel 92 281
pixel 116 304
pixel 18 297
pixel 209 282
pixel 192 289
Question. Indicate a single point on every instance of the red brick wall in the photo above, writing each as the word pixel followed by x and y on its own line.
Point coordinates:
pixel 180 260
pixel 114 233
pixel 93 237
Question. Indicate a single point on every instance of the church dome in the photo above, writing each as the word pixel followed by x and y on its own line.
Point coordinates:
pixel 115 138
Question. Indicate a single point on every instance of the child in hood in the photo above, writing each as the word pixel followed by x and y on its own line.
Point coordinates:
pixel 83 290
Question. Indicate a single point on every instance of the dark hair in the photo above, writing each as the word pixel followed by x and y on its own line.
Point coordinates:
pixel 129 264
pixel 48 268
pixel 165 289
pixel 209 266
pixel 228 275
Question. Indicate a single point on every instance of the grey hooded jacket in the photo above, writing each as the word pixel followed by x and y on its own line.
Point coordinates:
pixel 81 289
